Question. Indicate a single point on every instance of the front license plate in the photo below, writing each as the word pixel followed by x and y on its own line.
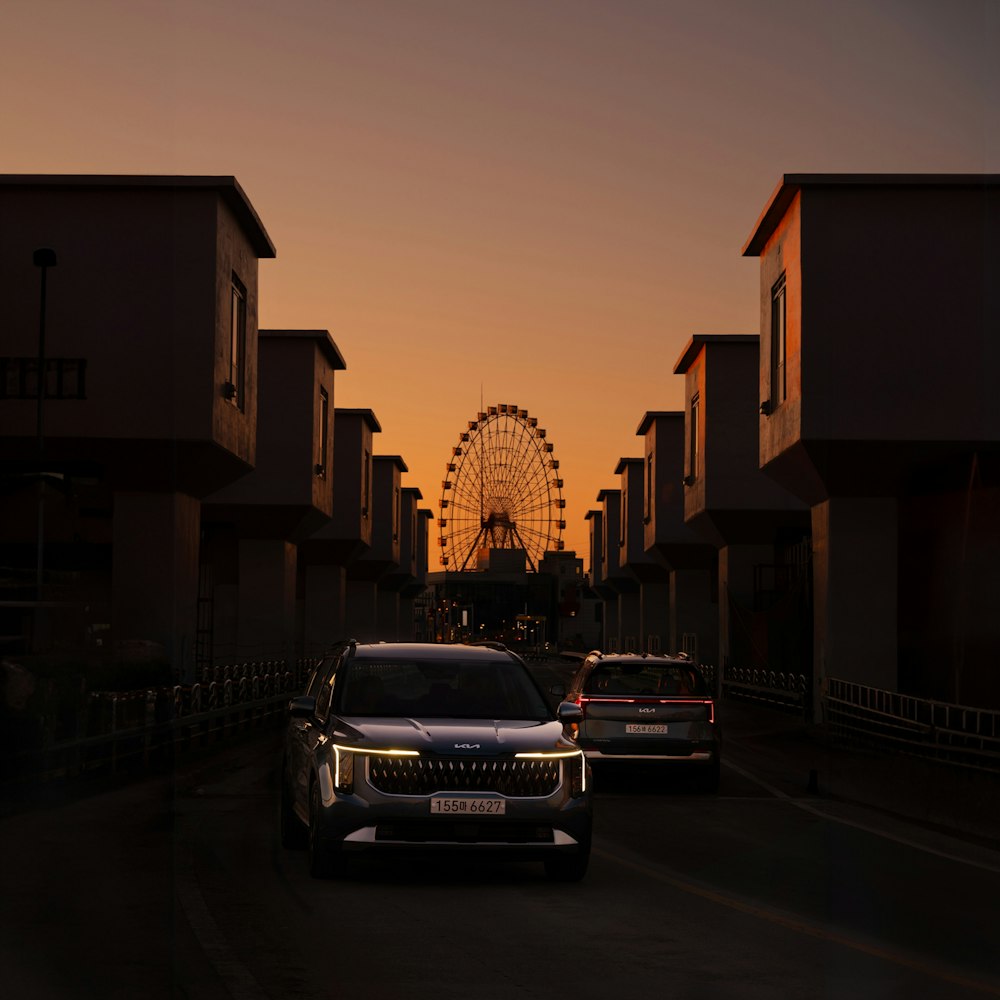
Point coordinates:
pixel 470 806
pixel 643 728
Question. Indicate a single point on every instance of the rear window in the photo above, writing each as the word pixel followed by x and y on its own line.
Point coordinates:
pixel 645 678
pixel 496 690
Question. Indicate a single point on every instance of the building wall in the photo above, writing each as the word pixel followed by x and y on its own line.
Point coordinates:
pixel 141 291
pixel 902 313
pixel 780 429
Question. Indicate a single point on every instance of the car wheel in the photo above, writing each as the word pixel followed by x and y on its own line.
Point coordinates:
pixel 293 831
pixel 568 867
pixel 325 860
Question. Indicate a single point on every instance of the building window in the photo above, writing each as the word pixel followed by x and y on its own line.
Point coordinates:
pixel 366 495
pixel 324 432
pixel 647 514
pixel 694 440
pixel 236 386
pixel 395 514
pixel 778 344
pixel 64 378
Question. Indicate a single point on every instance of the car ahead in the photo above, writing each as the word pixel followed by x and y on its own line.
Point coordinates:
pixel 647 708
pixel 418 747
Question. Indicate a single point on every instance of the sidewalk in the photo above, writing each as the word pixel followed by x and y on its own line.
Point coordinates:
pixel 800 760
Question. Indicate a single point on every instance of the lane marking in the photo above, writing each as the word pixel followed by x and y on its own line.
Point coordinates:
pixel 238 980
pixel 800 925
pixel 807 807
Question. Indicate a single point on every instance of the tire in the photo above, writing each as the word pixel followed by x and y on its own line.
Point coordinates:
pixel 325 860
pixel 568 867
pixel 294 834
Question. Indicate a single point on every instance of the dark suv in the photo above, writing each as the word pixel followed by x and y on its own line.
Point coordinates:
pixel 421 747
pixel 646 708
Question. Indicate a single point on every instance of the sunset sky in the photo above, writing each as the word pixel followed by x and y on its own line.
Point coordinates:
pixel 536 200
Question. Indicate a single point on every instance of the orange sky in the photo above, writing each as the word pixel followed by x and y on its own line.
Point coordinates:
pixel 539 200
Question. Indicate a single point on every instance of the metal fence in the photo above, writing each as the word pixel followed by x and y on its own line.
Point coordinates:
pixel 957 734
pixel 119 731
pixel 786 691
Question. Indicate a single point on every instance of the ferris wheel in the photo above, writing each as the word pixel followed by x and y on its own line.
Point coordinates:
pixel 503 491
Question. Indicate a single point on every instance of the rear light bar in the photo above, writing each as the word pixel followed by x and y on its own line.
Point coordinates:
pixel 583 701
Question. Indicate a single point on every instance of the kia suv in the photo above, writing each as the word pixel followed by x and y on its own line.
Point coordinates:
pixel 413 747
pixel 644 708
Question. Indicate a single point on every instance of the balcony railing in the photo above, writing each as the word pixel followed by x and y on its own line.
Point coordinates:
pixel 65 378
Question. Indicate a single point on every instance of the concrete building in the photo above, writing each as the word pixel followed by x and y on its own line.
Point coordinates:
pixel 413 551
pixel 618 586
pixel 419 595
pixel 603 593
pixel 644 565
pixel 577 624
pixel 879 408
pixel 251 529
pixel 372 610
pixel 401 583
pixel 150 376
pixel 760 531
pixel 324 556
pixel 694 626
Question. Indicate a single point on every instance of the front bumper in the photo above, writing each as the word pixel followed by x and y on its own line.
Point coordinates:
pixel 530 827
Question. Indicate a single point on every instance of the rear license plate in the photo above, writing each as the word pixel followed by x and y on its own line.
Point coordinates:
pixel 469 807
pixel 651 728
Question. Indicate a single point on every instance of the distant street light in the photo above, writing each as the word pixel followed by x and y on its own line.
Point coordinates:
pixel 43 258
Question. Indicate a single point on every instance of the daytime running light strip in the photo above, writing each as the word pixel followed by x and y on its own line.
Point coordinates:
pixel 340 748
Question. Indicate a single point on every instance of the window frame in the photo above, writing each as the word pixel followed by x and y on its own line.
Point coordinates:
pixel 779 342
pixel 236 382
pixel 694 438
pixel 324 432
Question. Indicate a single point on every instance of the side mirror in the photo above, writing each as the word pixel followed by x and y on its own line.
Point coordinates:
pixel 302 707
pixel 569 711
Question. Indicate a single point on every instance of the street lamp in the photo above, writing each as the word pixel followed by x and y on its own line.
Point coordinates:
pixel 43 258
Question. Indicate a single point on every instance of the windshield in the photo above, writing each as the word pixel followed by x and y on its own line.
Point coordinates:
pixel 496 690
pixel 668 680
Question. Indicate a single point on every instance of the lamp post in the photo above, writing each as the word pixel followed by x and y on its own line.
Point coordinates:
pixel 43 258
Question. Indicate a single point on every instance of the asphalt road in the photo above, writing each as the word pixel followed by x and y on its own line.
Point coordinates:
pixel 176 886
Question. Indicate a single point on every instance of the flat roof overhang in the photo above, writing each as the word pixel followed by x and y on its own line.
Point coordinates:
pixel 227 187
pixel 790 185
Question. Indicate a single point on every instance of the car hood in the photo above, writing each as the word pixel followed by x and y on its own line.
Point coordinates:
pixel 477 737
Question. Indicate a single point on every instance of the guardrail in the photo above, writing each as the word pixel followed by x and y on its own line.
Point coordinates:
pixel 955 734
pixel 786 691
pixel 118 731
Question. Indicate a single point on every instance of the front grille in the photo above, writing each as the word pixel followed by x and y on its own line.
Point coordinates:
pixel 427 775
pixel 463 832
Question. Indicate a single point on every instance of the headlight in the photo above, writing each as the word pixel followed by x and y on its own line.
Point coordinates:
pixel 343 777
pixel 575 764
